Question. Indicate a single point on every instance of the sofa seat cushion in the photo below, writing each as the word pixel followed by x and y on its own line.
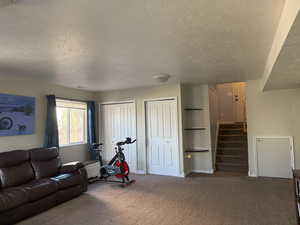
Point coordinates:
pixel 11 198
pixel 38 189
pixel 67 194
pixel 67 180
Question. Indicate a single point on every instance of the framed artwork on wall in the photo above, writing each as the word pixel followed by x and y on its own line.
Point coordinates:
pixel 17 115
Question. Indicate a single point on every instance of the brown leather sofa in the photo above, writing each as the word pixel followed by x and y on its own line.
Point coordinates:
pixel 35 180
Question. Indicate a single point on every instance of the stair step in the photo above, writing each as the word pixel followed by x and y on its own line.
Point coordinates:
pixel 232 167
pixel 231 142
pixel 232 154
pixel 233 137
pixel 232 126
pixel 232 150
pixel 242 145
pixel 236 159
pixel 233 164
pixel 226 129
pixel 238 156
pixel 231 131
pixel 238 149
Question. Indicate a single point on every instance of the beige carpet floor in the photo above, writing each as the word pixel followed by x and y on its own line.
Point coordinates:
pixel 196 200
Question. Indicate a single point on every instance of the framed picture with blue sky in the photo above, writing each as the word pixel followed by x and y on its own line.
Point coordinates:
pixel 17 115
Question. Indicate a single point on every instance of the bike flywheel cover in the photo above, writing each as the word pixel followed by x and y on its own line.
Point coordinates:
pixel 125 168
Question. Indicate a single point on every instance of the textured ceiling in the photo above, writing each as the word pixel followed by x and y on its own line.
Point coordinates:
pixel 102 45
pixel 286 71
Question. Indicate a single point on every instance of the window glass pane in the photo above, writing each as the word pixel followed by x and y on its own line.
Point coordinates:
pixel 62 122
pixel 71 104
pixel 77 125
pixel 71 121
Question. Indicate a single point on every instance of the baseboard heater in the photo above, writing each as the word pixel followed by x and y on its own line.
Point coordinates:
pixel 92 169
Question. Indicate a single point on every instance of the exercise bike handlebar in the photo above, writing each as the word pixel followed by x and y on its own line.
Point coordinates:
pixel 97 146
pixel 126 142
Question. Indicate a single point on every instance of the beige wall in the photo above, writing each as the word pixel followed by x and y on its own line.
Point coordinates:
pixel 139 95
pixel 27 87
pixel 214 119
pixel 288 16
pixel 272 113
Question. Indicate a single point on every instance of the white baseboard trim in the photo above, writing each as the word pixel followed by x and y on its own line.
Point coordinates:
pixel 203 171
pixel 139 172
pixel 185 174
pixel 179 175
pixel 251 174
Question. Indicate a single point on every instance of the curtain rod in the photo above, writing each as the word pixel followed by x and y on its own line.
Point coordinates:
pixel 70 99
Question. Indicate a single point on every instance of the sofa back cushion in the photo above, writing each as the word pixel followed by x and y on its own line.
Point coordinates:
pixel 15 168
pixel 45 162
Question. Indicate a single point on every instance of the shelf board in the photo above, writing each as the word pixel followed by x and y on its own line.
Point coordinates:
pixel 193 109
pixel 197 150
pixel 195 128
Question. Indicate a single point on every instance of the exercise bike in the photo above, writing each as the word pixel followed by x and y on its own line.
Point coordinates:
pixel 116 167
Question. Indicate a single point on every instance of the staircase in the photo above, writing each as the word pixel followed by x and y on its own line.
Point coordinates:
pixel 232 149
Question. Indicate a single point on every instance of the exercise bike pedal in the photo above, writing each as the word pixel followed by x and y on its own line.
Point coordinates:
pixel 132 181
pixel 126 184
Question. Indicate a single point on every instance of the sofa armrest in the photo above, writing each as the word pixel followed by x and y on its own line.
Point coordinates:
pixel 71 167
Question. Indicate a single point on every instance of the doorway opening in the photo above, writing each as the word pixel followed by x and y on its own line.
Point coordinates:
pixel 232 144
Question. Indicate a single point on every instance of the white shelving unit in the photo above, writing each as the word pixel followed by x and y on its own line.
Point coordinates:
pixel 196 128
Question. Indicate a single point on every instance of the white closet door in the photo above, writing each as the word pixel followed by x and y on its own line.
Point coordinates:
pixel 162 137
pixel 119 122
pixel 274 157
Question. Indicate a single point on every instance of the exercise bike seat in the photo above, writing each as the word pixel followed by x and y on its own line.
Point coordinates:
pixel 96 147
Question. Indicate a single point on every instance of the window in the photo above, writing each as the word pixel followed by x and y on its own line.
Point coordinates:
pixel 72 122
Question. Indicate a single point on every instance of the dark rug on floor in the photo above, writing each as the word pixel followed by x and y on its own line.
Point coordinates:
pixel 196 200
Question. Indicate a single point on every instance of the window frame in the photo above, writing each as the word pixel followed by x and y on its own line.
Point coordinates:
pixel 69 123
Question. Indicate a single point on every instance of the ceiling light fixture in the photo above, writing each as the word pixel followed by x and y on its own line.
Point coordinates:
pixel 162 78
